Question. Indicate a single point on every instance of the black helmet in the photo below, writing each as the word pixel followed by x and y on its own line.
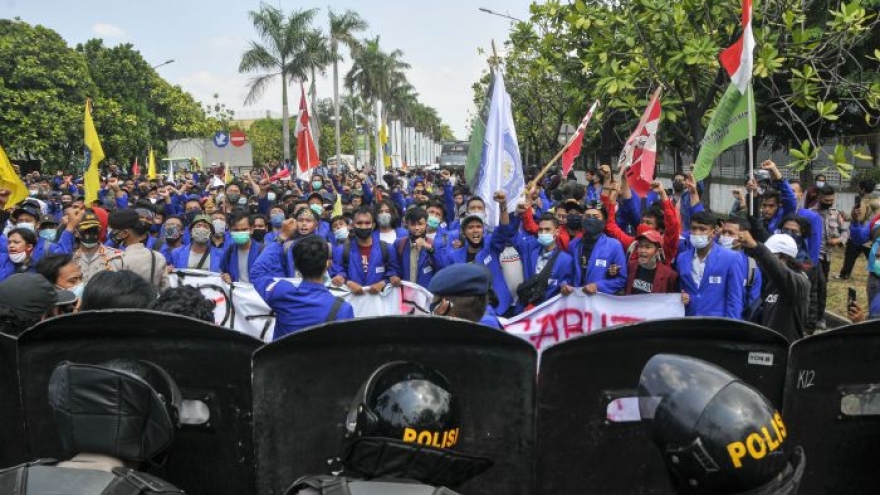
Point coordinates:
pixel 717 434
pixel 121 408
pixel 408 402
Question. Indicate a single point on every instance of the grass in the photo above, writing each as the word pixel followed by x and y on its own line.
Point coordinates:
pixel 858 280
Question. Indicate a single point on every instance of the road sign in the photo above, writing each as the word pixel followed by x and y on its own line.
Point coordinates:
pixel 565 133
pixel 221 139
pixel 237 138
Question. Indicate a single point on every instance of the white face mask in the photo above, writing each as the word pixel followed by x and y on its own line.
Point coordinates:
pixel 18 257
pixel 726 241
pixel 699 241
pixel 219 227
pixel 27 226
pixel 820 184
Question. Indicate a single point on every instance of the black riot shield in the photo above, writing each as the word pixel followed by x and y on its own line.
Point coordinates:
pixel 12 445
pixel 211 365
pixel 589 436
pixel 304 383
pixel 832 408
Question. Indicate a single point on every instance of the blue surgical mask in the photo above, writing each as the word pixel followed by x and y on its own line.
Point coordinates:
pixel 78 290
pixel 433 222
pixel 546 239
pixel 48 234
pixel 341 234
pixel 317 185
pixel 318 209
pixel 276 219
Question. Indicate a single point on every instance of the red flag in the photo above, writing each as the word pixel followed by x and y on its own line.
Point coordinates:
pixel 280 175
pixel 135 169
pixel 306 154
pixel 574 149
pixel 640 151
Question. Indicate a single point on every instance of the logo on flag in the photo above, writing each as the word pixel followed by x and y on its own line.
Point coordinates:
pixel 640 151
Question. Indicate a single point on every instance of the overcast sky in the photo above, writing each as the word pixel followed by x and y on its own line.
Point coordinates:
pixel 439 39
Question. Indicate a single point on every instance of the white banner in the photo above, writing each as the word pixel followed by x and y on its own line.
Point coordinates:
pixel 564 317
pixel 239 307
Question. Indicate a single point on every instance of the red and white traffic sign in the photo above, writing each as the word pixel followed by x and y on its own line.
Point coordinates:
pixel 237 138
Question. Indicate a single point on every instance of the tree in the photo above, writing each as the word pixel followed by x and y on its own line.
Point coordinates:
pixel 266 138
pixel 342 31
pixel 283 53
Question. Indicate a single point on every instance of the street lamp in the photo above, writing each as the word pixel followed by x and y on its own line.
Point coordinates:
pixel 506 16
pixel 169 61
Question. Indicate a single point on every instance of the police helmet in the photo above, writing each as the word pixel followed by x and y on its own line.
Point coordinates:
pixel 121 408
pixel 408 402
pixel 717 434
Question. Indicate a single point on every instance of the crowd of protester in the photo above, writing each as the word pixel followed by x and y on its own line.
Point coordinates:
pixel 766 260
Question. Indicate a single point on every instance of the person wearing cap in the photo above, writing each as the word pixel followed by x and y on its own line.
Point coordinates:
pixel 646 274
pixel 28 298
pixel 785 290
pixel 462 291
pixel 545 264
pixel 129 230
pixel 92 256
pixel 200 254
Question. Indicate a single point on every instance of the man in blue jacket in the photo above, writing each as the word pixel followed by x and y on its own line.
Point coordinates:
pixel 419 259
pixel 537 252
pixel 711 277
pixel 364 266
pixel 777 203
pixel 309 303
pixel 239 257
pixel 598 261
pixel 199 254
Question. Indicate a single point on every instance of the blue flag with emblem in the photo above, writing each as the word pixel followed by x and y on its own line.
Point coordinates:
pixel 501 166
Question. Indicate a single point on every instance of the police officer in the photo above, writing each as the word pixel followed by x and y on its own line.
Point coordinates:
pixel 129 230
pixel 717 434
pixel 400 429
pixel 462 291
pixel 112 417
pixel 92 256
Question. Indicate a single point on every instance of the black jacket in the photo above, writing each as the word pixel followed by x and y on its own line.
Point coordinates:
pixel 785 295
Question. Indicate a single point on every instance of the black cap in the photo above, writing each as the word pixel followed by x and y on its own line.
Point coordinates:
pixel 124 219
pixel 28 295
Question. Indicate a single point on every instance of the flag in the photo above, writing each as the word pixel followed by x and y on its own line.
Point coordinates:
pixel 227 173
pixel 501 166
pixel 574 147
pixel 135 168
pixel 151 165
pixel 734 118
pixel 640 151
pixel 383 139
pixel 306 154
pixel 283 174
pixel 11 181
pixel 478 135
pixel 93 156
pixel 337 206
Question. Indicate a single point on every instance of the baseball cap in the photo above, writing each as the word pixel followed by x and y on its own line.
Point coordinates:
pixel 124 219
pixel 462 279
pixel 782 243
pixel 651 235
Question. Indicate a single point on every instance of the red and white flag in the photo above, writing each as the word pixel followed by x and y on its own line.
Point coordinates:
pixel 574 149
pixel 306 154
pixel 737 58
pixel 135 169
pixel 640 151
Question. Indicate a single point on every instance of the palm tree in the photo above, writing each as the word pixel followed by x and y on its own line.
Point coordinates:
pixel 316 56
pixel 281 53
pixel 342 30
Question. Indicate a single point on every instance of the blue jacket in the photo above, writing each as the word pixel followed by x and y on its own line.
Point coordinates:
pixel 789 205
pixel 530 250
pixel 490 319
pixel 606 252
pixel 428 264
pixel 814 242
pixel 300 307
pixel 751 294
pixel 721 289
pixel 180 258
pixel 229 264
pixel 377 269
pixel 274 261
pixel 490 256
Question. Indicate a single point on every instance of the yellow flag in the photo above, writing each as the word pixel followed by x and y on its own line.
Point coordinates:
pixel 151 165
pixel 11 181
pixel 337 207
pixel 94 155
pixel 227 174
pixel 383 133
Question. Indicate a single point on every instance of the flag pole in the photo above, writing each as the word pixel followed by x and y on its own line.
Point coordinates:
pixel 553 160
pixel 750 104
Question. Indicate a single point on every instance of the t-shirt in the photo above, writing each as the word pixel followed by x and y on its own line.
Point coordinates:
pixel 195 258
pixel 388 237
pixel 243 275
pixel 365 256
pixel 644 280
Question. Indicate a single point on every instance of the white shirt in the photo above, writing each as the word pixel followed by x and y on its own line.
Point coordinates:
pixel 698 268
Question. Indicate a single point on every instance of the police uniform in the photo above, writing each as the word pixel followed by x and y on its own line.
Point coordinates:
pixel 145 262
pixel 97 262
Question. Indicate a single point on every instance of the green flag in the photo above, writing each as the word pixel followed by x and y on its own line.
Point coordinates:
pixel 478 135
pixel 729 125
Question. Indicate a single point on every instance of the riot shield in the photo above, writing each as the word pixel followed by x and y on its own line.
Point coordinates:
pixel 832 408
pixel 211 365
pixel 589 436
pixel 12 445
pixel 304 383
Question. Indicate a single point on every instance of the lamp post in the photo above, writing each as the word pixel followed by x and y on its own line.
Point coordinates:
pixel 506 16
pixel 169 61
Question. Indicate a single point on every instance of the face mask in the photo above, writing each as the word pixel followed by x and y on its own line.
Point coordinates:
pixel 233 198
pixel 18 257
pixel 154 200
pixel 433 223
pixel 252 208
pixel 65 204
pixel 117 238
pixel 89 240
pixel 33 192
pixel 384 219
pixel 820 184
pixel 677 187
pixel 824 206
pixel 77 290
pixel 270 196
pixel 317 185
pixel 546 239
pixel 341 234
pixel 363 234
pixel 172 232
pixel 258 235
pixel 699 241
pixel 242 201
pixel 219 227
pixel 317 209
pixel 26 225
pixel 276 219
pixel 191 215
pixel 155 228
pixel 573 222
pixel 200 235
pixel 48 234
pixel 240 238
pixel 726 241
pixel 593 226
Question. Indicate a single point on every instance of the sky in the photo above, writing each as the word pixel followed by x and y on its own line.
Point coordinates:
pixel 206 39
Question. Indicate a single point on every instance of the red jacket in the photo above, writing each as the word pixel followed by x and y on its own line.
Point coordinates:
pixel 671 230
pixel 665 279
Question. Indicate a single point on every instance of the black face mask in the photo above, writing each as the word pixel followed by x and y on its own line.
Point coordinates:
pixel 677 187
pixel 573 222
pixel 233 198
pixel 593 226
pixel 258 235
pixel 89 237
pixel 363 234
pixel 190 216
pixel 824 206
pixel 252 208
